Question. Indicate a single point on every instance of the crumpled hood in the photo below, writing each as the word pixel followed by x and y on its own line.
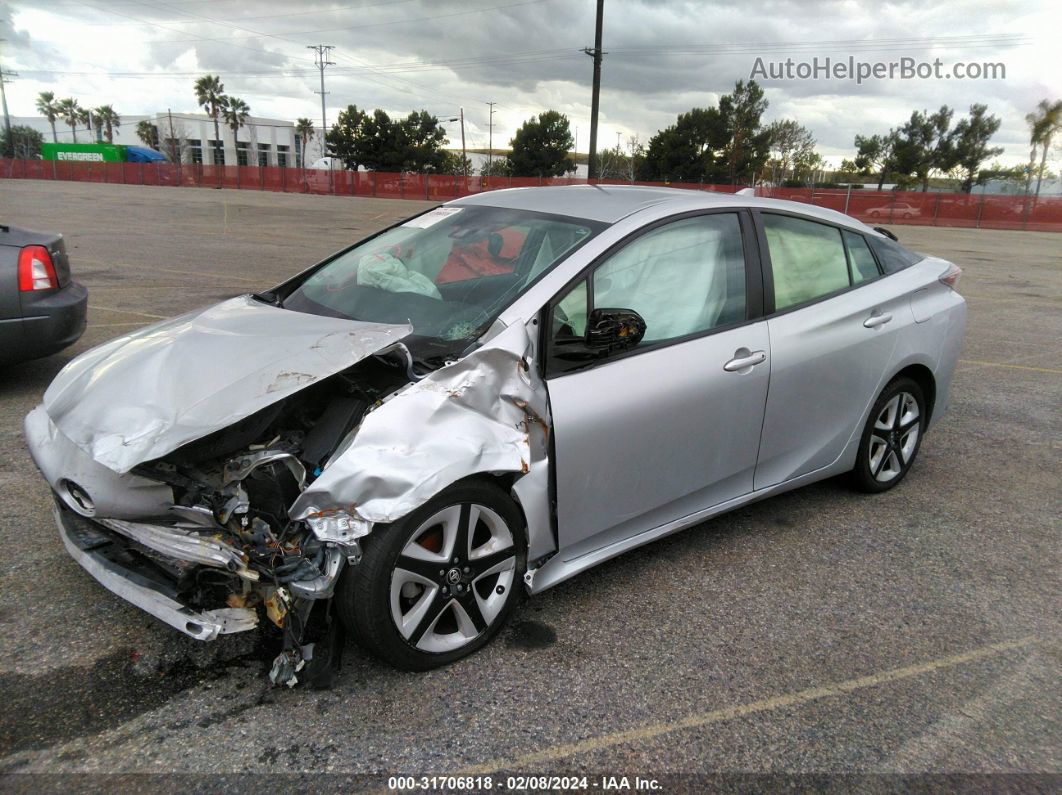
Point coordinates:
pixel 143 395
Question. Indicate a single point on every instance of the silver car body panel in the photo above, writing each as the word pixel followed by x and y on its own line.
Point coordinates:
pixel 486 413
pixel 118 496
pixel 649 438
pixel 144 394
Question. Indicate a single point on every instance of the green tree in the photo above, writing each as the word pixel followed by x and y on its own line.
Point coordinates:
pixel 109 120
pixel 380 143
pixel 346 139
pixel 874 153
pixel 848 171
pixel 304 130
pixel 235 112
pixel 1044 122
pixel 49 109
pixel 498 167
pixel 25 142
pixel 690 150
pixel 148 133
pixel 86 117
pixel 789 143
pixel 1012 177
pixel 970 143
pixel 455 163
pixel 747 148
pixel 923 145
pixel 422 140
pixel 210 94
pixel 540 147
pixel 70 111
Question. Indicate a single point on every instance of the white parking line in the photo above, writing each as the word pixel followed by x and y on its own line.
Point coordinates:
pixel 728 713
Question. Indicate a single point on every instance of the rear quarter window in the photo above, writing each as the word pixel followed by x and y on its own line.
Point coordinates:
pixel 892 256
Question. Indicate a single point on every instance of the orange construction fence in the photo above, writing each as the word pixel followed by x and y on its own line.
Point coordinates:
pixel 979 210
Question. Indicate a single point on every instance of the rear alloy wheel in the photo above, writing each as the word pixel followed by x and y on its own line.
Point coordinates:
pixel 891 438
pixel 437 584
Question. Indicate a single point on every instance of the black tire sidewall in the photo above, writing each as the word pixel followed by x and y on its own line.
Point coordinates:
pixel 862 477
pixel 363 595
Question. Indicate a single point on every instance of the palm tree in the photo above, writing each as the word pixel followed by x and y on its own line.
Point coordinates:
pixel 49 109
pixel 70 112
pixel 210 94
pixel 235 112
pixel 86 117
pixel 148 133
pixel 1044 122
pixel 109 119
pixel 304 130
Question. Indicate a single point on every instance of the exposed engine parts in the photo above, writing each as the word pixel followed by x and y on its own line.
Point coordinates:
pixel 232 490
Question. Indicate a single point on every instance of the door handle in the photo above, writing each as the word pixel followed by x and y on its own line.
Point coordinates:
pixel 877 319
pixel 745 360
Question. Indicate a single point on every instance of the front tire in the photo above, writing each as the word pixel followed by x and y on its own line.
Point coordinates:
pixel 438 584
pixel 891 438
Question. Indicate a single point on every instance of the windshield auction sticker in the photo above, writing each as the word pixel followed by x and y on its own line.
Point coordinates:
pixel 432 218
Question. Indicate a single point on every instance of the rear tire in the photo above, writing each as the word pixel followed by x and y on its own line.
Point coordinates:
pixel 437 584
pixel 892 437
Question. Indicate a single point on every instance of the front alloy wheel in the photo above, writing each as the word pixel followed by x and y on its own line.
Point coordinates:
pixel 891 438
pixel 453 577
pixel 437 584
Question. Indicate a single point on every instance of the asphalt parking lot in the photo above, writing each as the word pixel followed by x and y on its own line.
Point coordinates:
pixel 820 631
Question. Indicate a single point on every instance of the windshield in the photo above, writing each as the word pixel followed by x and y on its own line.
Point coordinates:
pixel 449 272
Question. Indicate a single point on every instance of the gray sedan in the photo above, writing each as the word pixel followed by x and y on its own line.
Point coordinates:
pixel 483 401
pixel 42 310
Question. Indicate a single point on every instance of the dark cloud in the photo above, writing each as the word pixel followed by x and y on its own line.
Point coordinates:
pixel 664 56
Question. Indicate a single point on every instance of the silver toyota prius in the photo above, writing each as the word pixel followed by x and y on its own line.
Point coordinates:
pixel 485 400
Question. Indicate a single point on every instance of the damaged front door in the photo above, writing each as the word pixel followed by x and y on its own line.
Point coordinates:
pixel 650 434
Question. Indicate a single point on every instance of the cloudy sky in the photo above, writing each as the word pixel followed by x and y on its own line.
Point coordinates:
pixel 664 57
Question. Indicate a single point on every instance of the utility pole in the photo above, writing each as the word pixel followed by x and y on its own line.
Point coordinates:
pixel 490 138
pixel 321 60
pixel 7 118
pixel 175 146
pixel 464 156
pixel 595 101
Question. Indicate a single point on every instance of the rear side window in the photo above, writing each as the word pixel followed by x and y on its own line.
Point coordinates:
pixel 864 267
pixel 892 256
pixel 807 259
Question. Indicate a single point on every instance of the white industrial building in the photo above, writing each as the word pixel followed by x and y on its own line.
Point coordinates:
pixel 259 142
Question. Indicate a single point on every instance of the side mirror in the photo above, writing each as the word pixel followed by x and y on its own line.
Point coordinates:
pixel 610 330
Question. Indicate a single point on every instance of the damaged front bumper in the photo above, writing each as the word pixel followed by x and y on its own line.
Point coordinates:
pixel 108 556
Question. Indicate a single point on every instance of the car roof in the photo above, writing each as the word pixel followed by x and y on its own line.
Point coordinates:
pixel 612 203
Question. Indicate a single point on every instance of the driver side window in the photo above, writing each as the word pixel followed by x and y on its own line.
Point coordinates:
pixel 682 278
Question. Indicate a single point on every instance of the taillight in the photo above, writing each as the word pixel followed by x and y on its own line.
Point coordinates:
pixel 35 270
pixel 950 277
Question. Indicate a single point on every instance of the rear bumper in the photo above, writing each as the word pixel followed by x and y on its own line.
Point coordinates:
pixel 50 322
pixel 105 555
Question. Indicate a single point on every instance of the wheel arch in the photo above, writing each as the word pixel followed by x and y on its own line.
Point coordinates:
pixel 532 504
pixel 926 381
